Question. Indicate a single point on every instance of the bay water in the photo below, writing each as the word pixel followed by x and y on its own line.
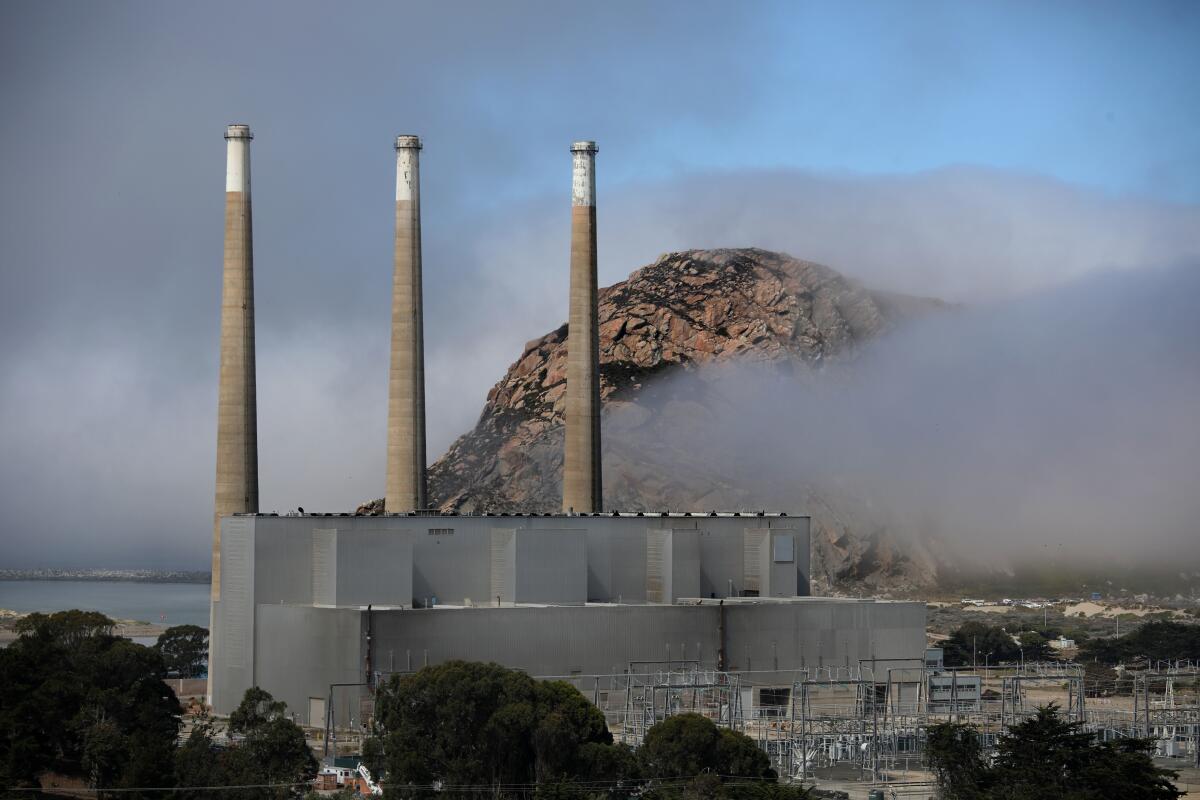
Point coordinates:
pixel 156 603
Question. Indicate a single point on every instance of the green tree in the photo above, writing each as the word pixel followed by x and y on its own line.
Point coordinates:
pixel 984 643
pixel 681 746
pixel 256 709
pixel 267 748
pixel 955 758
pixel 1100 680
pixel 1034 646
pixel 465 723
pixel 688 745
pixel 77 700
pixel 481 725
pixel 196 760
pixel 273 750
pixel 184 650
pixel 1045 758
pixel 616 763
pixel 739 757
pixel 68 628
pixel 1154 641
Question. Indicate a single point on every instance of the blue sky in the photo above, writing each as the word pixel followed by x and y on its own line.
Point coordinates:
pixel 1102 94
pixel 967 150
pixel 1098 93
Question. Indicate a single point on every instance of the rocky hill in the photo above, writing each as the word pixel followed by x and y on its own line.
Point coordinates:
pixel 684 313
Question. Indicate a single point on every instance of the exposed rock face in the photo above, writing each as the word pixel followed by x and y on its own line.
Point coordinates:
pixel 686 310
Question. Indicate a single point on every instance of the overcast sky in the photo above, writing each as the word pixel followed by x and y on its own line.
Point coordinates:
pixel 971 151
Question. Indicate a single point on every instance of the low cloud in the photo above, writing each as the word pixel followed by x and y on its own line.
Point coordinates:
pixel 109 425
pixel 1058 424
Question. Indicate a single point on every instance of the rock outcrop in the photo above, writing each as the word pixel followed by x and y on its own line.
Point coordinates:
pixel 686 311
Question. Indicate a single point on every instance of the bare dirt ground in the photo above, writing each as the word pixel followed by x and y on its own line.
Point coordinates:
pixel 1090 618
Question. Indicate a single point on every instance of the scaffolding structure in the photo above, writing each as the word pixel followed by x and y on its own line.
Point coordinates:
pixel 1165 710
pixel 870 723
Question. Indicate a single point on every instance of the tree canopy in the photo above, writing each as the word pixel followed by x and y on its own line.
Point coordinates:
pixel 687 745
pixel 1034 646
pixel 79 701
pixel 984 643
pixel 479 724
pixel 499 730
pixel 1154 641
pixel 76 700
pixel 184 649
pixel 268 748
pixel 1045 758
pixel 688 756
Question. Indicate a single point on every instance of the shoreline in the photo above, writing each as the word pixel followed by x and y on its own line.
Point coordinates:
pixel 126 628
pixel 187 578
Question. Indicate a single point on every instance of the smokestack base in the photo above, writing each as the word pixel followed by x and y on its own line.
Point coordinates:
pixel 238 131
pixel 408 142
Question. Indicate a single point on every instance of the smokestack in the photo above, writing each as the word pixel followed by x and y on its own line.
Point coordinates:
pixel 406 383
pixel 237 409
pixel 581 462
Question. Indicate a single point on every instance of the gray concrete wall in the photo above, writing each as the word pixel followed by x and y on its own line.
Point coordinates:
pixel 672 565
pixel 546 640
pixel 374 567
pixel 301 651
pixel 768 638
pixel 816 632
pixel 550 567
pixel 451 556
pixel 231 640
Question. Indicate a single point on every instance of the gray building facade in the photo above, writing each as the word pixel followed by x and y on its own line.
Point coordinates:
pixel 311 601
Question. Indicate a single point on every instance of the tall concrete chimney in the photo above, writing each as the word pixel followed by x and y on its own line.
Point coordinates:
pixel 581 461
pixel 237 407
pixel 406 383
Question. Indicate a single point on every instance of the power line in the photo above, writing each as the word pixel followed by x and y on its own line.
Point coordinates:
pixel 729 780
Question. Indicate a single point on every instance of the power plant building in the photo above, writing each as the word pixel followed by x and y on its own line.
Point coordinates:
pixel 313 601
pixel 306 603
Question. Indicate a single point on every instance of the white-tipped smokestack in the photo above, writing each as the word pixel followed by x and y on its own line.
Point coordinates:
pixel 582 491
pixel 237 414
pixel 406 487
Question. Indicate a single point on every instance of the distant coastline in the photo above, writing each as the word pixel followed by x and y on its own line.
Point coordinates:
pixel 112 575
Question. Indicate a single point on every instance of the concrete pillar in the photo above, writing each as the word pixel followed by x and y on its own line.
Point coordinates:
pixel 581 459
pixel 237 407
pixel 406 382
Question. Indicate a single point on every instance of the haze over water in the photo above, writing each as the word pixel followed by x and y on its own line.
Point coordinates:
pixel 159 603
